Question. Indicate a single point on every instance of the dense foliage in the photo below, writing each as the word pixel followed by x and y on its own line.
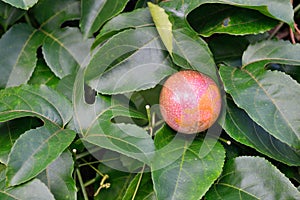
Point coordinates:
pixel 80 84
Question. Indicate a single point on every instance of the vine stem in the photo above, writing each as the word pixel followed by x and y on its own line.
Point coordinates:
pixel 85 196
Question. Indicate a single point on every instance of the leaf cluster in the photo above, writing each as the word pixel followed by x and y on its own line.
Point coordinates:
pixel 80 84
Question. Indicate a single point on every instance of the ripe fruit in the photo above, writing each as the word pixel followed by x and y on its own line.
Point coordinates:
pixel 190 102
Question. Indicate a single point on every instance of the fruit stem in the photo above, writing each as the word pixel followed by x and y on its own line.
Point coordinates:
pixel 225 141
pixel 151 119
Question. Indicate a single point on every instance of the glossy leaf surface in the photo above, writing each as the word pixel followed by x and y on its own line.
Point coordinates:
pixel 192 173
pixel 240 127
pixel 95 13
pixel 137 63
pixel 252 178
pixel 58 177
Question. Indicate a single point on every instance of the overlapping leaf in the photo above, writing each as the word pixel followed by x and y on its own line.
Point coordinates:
pixel 9 15
pixel 94 122
pixel 10 131
pixel 191 174
pixel 18 57
pixel 27 159
pixel 278 9
pixel 51 14
pixel 58 177
pixel 95 13
pixel 24 4
pixel 137 63
pixel 65 50
pixel 135 19
pixel 217 18
pixel 22 191
pixel 252 178
pixel 240 127
pixel 263 94
pixel 184 45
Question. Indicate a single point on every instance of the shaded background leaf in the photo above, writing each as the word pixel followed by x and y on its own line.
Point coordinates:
pixel 209 19
pixel 278 9
pixel 11 130
pixel 9 15
pixel 252 178
pixel 42 75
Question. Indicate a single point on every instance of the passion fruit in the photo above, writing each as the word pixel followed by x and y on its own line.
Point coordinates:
pixel 190 102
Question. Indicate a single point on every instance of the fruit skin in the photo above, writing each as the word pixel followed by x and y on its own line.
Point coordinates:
pixel 190 102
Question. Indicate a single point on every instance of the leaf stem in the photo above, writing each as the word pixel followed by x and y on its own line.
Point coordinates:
pixel 94 168
pixel 85 196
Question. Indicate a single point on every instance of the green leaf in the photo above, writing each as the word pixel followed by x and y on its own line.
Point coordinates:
pixel 262 94
pixel 277 9
pixel 10 131
pixel 184 45
pixel 141 187
pixel 68 44
pixel 128 62
pixel 95 13
pixel 94 123
pixel 18 58
pixel 240 127
pixel 51 14
pixel 252 178
pixel 24 4
pixel 37 101
pixel 34 190
pixel 269 51
pixel 128 20
pixel 9 15
pixel 35 149
pixel 191 174
pixel 21 192
pixel 58 177
pixel 218 18
pixel 42 75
